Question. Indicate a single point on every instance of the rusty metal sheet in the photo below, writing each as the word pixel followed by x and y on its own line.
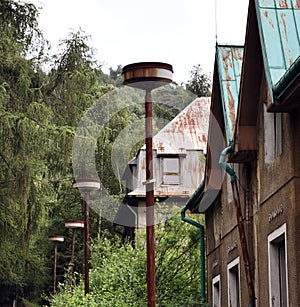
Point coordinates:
pixel 279 25
pixel 229 61
pixel 187 131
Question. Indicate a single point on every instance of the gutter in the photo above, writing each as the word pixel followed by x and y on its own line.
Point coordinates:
pixel 240 223
pixel 287 79
pixel 196 197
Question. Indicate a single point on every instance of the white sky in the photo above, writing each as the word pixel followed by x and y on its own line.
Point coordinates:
pixel 181 33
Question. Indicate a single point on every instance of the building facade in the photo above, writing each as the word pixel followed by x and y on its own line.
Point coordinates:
pixel 251 193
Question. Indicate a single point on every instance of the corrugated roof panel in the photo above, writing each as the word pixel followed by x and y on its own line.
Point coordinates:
pixel 230 60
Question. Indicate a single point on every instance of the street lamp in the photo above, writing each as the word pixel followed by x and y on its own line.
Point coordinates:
pixel 73 224
pixel 147 76
pixel 86 185
pixel 55 240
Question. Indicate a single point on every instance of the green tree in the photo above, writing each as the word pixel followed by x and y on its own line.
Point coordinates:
pixel 24 132
pixel 118 274
pixel 199 83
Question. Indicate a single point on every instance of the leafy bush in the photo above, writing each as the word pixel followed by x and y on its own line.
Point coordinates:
pixel 118 274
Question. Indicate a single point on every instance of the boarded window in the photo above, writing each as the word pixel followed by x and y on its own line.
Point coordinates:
pixel 171 170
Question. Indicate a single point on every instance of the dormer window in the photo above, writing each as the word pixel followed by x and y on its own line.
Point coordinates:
pixel 171 170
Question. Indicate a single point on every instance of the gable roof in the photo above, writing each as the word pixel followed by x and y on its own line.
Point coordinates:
pixel 271 57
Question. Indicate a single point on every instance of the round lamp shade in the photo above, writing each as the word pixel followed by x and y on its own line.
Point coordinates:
pixel 56 238
pixel 147 75
pixel 73 224
pixel 87 184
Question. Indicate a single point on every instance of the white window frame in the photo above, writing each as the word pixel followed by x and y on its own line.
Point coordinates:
pixel 230 266
pixel 273 264
pixel 216 280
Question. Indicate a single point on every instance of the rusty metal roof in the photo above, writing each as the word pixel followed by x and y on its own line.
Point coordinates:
pixel 229 63
pixel 279 29
pixel 187 131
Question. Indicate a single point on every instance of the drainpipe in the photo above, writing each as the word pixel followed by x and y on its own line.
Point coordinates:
pixel 239 218
pixel 188 205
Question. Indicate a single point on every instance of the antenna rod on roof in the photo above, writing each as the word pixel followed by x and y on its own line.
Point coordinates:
pixel 216 21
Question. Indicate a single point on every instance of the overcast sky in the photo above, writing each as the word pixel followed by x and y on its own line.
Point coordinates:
pixel 181 33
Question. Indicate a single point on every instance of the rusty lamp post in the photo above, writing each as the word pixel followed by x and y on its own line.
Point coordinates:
pixel 147 76
pixel 73 224
pixel 86 185
pixel 55 240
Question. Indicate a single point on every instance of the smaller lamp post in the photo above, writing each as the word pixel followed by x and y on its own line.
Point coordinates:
pixel 86 185
pixel 55 240
pixel 73 224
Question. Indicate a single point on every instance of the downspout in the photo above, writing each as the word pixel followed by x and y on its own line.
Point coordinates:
pixel 239 218
pixel 193 200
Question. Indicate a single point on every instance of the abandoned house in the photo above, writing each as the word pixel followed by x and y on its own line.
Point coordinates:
pixel 178 165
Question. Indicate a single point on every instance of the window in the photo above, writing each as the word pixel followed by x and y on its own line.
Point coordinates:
pixel 171 170
pixel 273 135
pixel 278 286
pixel 233 274
pixel 216 291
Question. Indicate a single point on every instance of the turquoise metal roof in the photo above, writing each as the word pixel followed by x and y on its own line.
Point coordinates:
pixel 229 60
pixel 279 27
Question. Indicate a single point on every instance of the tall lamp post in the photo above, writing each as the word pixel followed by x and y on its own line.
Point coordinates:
pixel 86 185
pixel 147 76
pixel 73 224
pixel 55 240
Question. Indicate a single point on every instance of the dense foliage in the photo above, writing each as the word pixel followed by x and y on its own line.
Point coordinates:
pixel 118 271
pixel 39 113
pixel 199 83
